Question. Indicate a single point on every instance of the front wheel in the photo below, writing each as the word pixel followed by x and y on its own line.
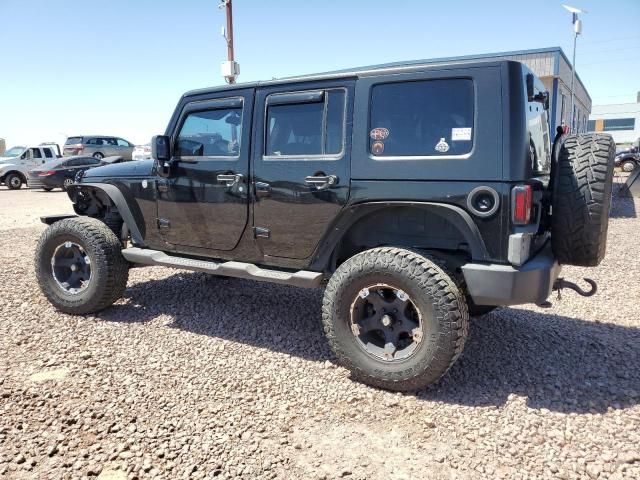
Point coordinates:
pixel 79 265
pixel 394 318
pixel 66 183
pixel 13 181
pixel 628 166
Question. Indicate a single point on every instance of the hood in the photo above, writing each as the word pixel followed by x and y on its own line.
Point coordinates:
pixel 138 168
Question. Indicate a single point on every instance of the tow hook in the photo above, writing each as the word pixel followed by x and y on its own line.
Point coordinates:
pixel 561 283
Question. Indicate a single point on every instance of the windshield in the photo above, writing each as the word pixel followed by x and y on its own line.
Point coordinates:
pixel 14 152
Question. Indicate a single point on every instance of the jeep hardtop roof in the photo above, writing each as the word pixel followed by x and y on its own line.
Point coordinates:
pixel 365 71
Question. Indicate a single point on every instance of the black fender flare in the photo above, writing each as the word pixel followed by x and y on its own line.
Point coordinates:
pixel 124 207
pixel 457 216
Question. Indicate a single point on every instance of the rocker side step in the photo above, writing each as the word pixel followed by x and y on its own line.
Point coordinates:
pixel 302 278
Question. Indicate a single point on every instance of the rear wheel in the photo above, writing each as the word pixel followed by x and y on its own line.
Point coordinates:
pixel 79 265
pixel 13 181
pixel 581 199
pixel 98 155
pixel 394 318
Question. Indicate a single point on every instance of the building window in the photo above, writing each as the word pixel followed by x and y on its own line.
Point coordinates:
pixel 592 126
pixel 614 124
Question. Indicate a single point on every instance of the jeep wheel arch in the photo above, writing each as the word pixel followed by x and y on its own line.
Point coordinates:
pixel 369 225
pixel 93 199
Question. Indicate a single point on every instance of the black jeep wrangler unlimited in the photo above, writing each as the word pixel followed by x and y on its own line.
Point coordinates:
pixel 416 194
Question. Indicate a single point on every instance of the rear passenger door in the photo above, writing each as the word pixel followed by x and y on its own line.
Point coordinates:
pixel 301 164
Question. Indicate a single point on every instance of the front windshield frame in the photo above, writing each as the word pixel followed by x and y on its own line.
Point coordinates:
pixel 14 152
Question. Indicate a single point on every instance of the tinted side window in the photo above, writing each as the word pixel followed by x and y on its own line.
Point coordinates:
pixel 94 141
pixel 36 153
pixel 47 153
pixel 424 118
pixel 211 133
pixel 306 128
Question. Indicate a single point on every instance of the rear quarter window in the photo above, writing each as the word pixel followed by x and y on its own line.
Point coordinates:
pixel 422 118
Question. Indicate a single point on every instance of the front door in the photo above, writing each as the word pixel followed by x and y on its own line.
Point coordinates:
pixel 301 164
pixel 203 202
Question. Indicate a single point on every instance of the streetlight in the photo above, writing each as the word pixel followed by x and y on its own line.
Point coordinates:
pixel 577 30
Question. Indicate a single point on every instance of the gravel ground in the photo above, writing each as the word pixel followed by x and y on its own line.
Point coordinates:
pixel 196 377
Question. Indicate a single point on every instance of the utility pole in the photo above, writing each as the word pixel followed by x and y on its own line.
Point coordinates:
pixel 577 30
pixel 230 69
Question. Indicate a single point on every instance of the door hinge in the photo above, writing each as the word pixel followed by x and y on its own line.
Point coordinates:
pixel 261 232
pixel 164 223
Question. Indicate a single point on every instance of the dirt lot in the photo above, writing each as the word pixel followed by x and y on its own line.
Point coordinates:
pixel 198 377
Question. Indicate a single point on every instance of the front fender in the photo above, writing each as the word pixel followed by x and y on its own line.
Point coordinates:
pixel 10 167
pixel 128 210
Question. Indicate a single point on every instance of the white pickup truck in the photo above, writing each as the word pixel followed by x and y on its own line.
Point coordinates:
pixel 16 162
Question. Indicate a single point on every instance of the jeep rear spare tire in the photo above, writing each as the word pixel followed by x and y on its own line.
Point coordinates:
pixel 581 199
pixel 79 265
pixel 394 318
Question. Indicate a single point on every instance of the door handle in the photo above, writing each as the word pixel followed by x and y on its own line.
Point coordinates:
pixel 229 179
pixel 321 182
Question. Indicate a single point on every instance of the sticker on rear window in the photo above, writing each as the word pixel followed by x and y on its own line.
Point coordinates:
pixel 379 133
pixel 442 146
pixel 460 134
pixel 377 148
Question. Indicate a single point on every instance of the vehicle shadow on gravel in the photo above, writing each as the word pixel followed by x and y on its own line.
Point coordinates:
pixel 555 362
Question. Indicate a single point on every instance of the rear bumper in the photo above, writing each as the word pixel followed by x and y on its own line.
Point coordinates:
pixel 492 284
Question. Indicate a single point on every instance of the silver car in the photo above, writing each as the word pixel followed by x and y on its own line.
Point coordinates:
pixel 98 146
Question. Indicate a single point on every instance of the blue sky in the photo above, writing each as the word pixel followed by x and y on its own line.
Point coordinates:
pixel 119 66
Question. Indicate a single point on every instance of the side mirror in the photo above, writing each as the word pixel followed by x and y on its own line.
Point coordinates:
pixel 530 89
pixel 160 149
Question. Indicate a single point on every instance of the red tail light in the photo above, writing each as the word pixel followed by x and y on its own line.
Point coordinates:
pixel 521 204
pixel 48 173
pixel 79 147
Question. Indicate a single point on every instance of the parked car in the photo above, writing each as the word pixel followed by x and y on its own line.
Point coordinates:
pixel 98 146
pixel 142 152
pixel 17 161
pixel 401 190
pixel 628 160
pixel 3 146
pixel 61 172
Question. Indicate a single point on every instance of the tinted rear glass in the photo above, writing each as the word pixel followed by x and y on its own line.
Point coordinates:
pixel 425 118
pixel 73 140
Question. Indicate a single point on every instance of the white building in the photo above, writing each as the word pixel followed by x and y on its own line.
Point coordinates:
pixel 621 120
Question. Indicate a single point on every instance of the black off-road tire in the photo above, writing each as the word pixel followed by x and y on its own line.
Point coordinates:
pixel 441 303
pixel 109 269
pixel 581 199
pixel 14 181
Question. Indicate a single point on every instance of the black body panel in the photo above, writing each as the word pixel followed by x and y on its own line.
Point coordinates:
pixel 274 217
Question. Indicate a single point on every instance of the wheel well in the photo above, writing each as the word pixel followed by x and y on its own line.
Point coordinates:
pixel 17 172
pixel 409 227
pixel 95 203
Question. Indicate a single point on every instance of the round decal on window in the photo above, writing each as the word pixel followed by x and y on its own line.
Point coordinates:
pixel 379 133
pixel 377 148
